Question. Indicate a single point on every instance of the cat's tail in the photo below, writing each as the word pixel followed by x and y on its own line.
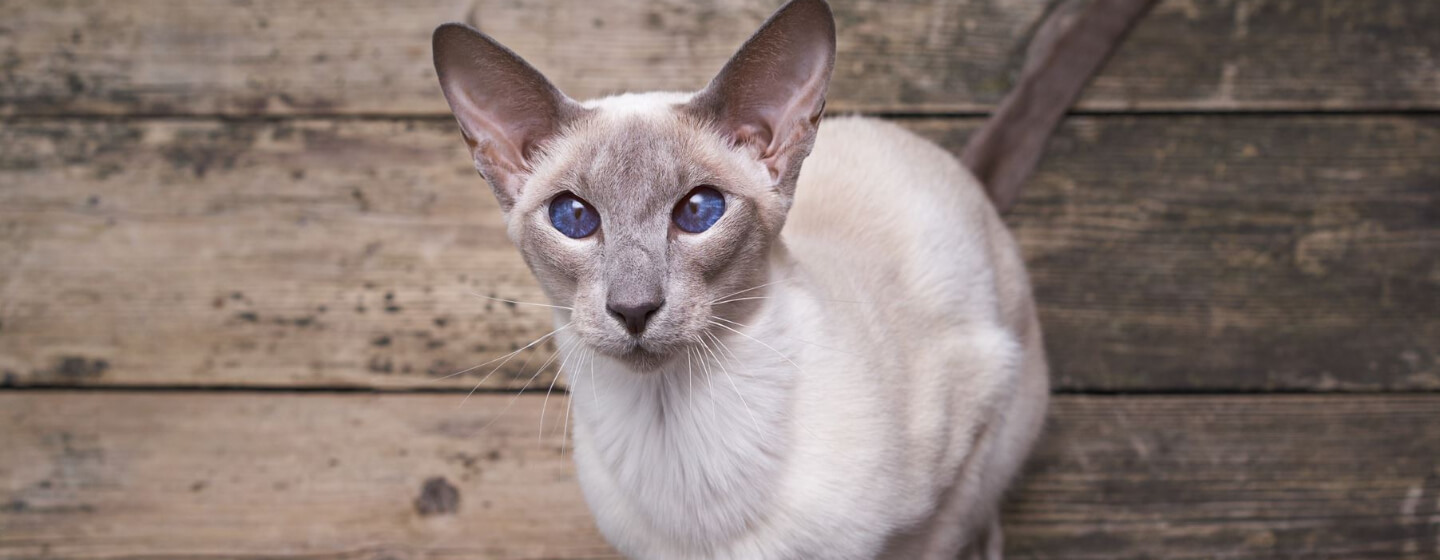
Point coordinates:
pixel 1069 47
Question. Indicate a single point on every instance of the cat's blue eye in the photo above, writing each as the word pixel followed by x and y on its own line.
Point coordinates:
pixel 572 216
pixel 699 210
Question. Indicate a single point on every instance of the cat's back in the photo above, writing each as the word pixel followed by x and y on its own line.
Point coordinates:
pixel 923 288
pixel 868 158
pixel 893 213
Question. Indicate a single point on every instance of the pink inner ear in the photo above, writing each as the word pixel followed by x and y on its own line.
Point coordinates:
pixel 769 95
pixel 755 136
pixel 488 137
pixel 505 106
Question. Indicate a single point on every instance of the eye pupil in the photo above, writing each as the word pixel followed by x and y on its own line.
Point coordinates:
pixel 700 209
pixel 573 217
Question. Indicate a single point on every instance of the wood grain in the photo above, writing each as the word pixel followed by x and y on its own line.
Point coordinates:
pixel 1237 253
pixel 270 57
pixel 300 254
pixel 207 475
pixel 1168 253
pixel 327 476
pixel 1232 477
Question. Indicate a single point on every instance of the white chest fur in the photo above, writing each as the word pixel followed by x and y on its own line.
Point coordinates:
pixel 788 438
pixel 692 454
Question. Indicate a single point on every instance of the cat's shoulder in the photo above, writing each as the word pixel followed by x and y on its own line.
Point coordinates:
pixel 854 139
pixel 861 132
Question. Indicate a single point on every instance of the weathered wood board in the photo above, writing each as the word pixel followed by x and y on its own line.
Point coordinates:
pixel 1238 253
pixel 1168 253
pixel 258 193
pixel 324 476
pixel 181 475
pixel 1181 477
pixel 207 253
pixel 271 57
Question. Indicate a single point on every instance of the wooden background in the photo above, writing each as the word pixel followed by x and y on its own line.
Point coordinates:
pixel 238 240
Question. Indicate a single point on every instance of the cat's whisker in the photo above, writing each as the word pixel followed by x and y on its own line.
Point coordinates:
pixel 502 364
pixel 772 283
pixel 757 341
pixel 800 340
pixel 545 403
pixel 707 372
pixel 505 357
pixel 726 347
pixel 570 404
pixel 516 302
pixel 734 385
pixel 828 300
pixel 587 355
pixel 740 299
pixel 690 373
pixel 709 375
pixel 516 396
pixel 594 393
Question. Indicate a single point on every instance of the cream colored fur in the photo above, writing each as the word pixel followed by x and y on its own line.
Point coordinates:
pixel 911 385
pixel 846 364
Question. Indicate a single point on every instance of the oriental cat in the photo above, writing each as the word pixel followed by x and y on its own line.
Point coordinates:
pixel 799 338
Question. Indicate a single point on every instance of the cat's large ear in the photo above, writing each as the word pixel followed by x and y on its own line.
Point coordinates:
pixel 505 107
pixel 770 95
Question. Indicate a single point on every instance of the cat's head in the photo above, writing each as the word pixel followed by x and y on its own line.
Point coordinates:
pixel 644 212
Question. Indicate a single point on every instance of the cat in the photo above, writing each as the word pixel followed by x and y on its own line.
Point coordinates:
pixel 839 363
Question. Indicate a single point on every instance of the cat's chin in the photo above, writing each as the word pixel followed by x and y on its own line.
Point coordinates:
pixel 641 360
pixel 641 357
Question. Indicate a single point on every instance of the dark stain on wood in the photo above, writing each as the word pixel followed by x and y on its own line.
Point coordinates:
pixel 383 366
pixel 437 497
pixel 200 151
pixel 74 370
pixel 78 367
pixel 442 368
pixel 25 507
pixel 360 200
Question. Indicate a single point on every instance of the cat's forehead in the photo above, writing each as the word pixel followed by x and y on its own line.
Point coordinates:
pixel 633 155
pixel 653 102
pixel 638 141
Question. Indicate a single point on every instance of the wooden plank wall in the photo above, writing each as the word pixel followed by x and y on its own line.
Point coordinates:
pixel 239 241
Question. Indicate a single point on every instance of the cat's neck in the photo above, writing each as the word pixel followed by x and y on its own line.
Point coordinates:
pixel 704 439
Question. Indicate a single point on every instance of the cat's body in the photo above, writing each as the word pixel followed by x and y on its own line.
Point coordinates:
pixel 842 363
pixel 893 367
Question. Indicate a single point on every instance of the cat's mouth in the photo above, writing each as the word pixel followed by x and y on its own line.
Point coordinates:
pixel 641 355
pixel 640 358
pixel 643 352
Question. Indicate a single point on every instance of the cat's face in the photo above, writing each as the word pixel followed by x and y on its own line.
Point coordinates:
pixel 645 214
pixel 641 218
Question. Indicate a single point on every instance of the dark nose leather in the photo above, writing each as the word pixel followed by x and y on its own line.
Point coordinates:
pixel 634 314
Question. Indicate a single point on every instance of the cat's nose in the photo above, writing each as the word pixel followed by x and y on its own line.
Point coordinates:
pixel 634 314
